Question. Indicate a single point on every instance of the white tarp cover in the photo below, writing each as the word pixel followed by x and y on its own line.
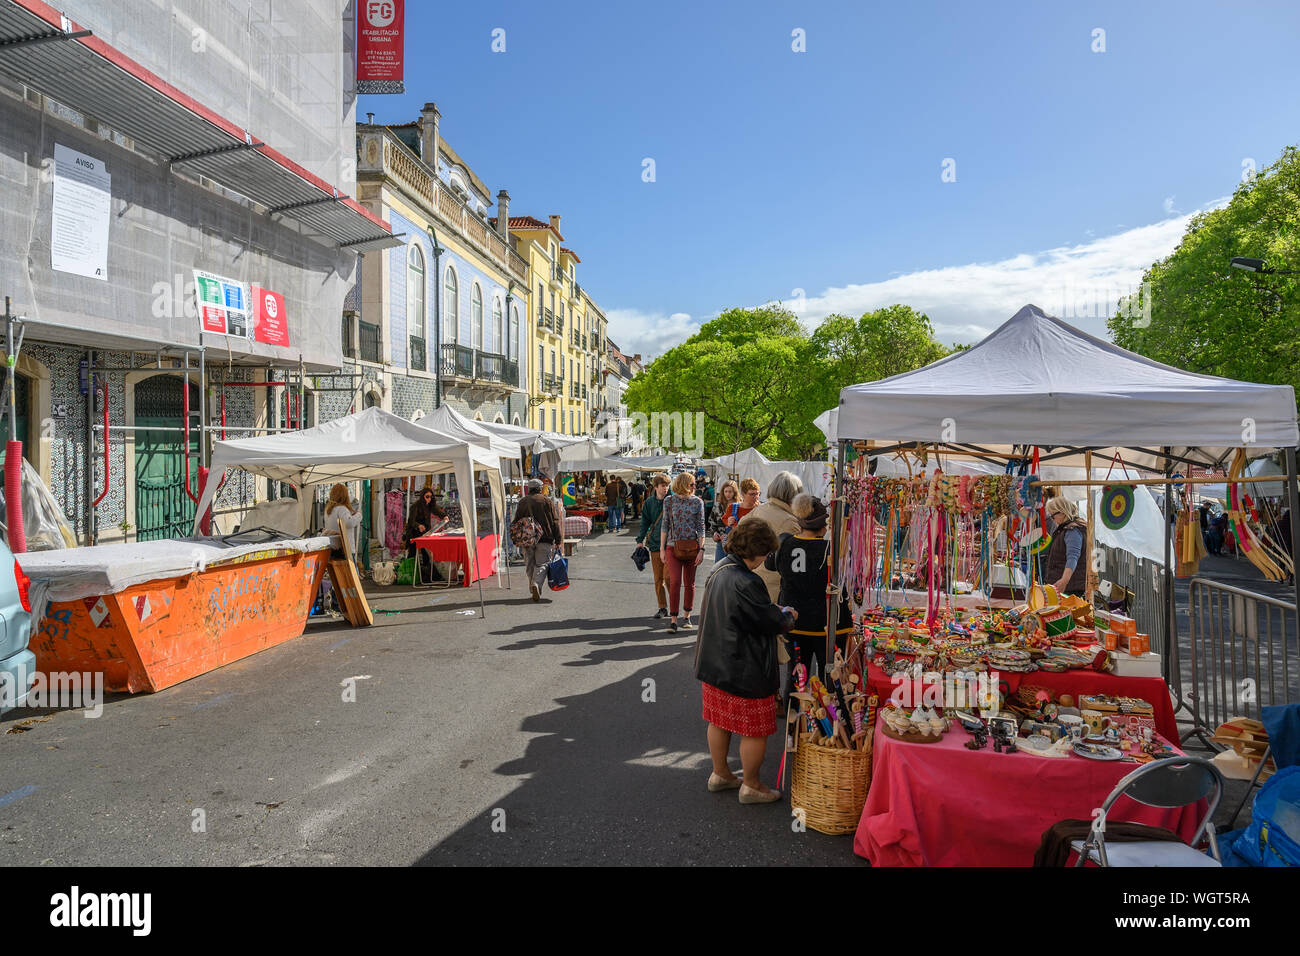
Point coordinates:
pixel 71 574
pixel 586 454
pixel 1037 380
pixel 744 463
pixel 369 444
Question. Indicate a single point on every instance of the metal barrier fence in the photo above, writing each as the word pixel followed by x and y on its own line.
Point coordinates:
pixel 1242 656
pixel 1144 579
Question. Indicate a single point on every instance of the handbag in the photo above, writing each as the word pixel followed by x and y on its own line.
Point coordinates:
pixel 405 571
pixel 685 549
pixel 557 572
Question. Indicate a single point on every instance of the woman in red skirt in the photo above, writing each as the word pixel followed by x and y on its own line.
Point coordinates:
pixel 736 660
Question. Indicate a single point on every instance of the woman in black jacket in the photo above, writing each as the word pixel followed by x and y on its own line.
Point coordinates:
pixel 736 661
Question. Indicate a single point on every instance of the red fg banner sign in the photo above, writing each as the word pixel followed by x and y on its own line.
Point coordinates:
pixel 379 46
pixel 270 324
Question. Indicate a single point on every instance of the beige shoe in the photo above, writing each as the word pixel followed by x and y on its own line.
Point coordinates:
pixel 750 795
pixel 717 783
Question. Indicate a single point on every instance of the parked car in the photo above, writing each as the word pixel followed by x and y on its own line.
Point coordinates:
pixel 17 663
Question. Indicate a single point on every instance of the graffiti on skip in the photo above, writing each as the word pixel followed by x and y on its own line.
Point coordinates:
pixel 55 624
pixel 231 599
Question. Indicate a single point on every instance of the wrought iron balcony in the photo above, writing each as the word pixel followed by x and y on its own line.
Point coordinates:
pixel 492 367
pixel 370 339
pixel 457 361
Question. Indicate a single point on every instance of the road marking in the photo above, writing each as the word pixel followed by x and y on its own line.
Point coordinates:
pixel 14 795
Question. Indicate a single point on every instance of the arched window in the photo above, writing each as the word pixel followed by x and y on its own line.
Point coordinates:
pixel 476 312
pixel 415 291
pixel 450 307
pixel 498 333
pixel 514 332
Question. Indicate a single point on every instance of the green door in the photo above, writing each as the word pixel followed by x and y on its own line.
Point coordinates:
pixel 162 508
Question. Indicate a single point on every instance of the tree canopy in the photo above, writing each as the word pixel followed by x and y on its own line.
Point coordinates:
pixel 1197 312
pixel 760 378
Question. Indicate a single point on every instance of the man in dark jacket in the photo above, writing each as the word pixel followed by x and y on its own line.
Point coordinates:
pixel 537 506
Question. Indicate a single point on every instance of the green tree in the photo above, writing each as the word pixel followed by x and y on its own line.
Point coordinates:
pixel 1198 313
pixel 760 379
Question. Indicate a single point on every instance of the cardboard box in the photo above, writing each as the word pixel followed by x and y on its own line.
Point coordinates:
pixel 1135 665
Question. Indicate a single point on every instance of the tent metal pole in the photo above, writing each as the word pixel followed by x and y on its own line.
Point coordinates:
pixel 837 510
pixel 1293 503
pixel 1170 659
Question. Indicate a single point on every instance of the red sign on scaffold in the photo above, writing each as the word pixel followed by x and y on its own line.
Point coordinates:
pixel 379 46
pixel 270 323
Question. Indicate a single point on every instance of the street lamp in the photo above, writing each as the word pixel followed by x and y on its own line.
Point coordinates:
pixel 1258 265
pixel 437 318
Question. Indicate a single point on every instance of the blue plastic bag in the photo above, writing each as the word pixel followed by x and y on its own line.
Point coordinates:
pixel 557 572
pixel 1276 810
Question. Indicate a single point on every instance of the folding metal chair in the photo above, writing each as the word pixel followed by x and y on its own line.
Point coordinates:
pixel 1167 784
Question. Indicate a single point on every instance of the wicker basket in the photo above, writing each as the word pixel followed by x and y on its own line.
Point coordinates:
pixel 830 785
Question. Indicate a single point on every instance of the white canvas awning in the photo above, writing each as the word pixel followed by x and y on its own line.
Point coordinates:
pixel 447 421
pixel 1038 381
pixel 369 444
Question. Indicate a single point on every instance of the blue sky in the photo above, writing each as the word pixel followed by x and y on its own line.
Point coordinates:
pixel 821 170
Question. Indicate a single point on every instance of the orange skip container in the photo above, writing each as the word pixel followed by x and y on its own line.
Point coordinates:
pixel 153 635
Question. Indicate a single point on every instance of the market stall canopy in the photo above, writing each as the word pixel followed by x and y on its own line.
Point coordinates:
pixel 1038 381
pixel 528 439
pixel 587 454
pixel 369 444
pixel 447 421
pixel 744 463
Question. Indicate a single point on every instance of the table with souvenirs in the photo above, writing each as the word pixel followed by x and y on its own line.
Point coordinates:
pixel 952 729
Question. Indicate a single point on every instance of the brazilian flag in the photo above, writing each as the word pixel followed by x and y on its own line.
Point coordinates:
pixel 568 494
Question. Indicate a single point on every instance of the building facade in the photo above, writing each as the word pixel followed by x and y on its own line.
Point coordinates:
pixel 566 327
pixel 218 141
pixel 621 369
pixel 443 317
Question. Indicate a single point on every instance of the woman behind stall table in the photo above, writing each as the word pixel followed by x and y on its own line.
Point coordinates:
pixel 775 513
pixel 801 560
pixel 340 508
pixel 736 661
pixel 1065 569
pixel 683 522
pixel 651 526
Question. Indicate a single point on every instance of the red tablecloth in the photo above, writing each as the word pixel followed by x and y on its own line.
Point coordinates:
pixel 943 805
pixel 1085 680
pixel 592 513
pixel 451 547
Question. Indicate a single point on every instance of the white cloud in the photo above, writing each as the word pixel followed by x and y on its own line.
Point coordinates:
pixel 1081 284
pixel 649 333
pixel 1169 206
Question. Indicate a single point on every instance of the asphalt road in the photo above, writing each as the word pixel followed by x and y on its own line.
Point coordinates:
pixel 526 737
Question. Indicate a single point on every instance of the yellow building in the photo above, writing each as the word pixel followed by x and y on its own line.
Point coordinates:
pixel 563 379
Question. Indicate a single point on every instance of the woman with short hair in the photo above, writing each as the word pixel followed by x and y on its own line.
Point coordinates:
pixel 736 661
pixel 682 546
pixel 776 514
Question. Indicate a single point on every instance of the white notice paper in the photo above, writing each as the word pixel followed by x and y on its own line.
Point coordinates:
pixel 79 223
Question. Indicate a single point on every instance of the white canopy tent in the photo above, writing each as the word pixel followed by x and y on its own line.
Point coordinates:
pixel 445 420
pixel 1037 381
pixel 527 439
pixel 369 444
